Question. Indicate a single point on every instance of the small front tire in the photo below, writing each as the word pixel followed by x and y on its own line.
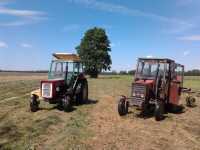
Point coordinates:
pixel 122 107
pixel 34 104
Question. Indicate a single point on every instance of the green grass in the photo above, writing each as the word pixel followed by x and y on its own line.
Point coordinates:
pixel 192 82
pixel 21 129
pixel 16 88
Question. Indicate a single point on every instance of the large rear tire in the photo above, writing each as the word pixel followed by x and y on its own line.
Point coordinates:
pixel 122 107
pixel 82 97
pixel 159 110
pixel 34 104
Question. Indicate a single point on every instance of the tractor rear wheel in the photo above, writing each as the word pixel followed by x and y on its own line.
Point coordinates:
pixel 82 97
pixel 66 103
pixel 34 104
pixel 159 110
pixel 122 107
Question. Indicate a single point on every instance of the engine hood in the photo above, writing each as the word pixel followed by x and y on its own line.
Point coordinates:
pixel 145 82
pixel 52 80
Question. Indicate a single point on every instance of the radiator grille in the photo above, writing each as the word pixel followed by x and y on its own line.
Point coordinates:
pixel 138 88
pixel 138 94
pixel 137 101
pixel 47 90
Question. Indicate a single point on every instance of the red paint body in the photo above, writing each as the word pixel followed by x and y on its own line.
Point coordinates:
pixel 145 82
pixel 174 95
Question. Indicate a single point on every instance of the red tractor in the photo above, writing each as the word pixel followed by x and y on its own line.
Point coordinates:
pixel 66 83
pixel 156 87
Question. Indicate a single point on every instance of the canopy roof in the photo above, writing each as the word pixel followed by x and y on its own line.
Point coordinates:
pixel 160 60
pixel 66 57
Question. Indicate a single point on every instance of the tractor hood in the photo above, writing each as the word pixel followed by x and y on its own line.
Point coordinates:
pixel 52 80
pixel 145 82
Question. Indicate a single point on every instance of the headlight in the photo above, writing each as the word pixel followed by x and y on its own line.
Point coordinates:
pixel 139 95
pixel 57 89
pixel 142 95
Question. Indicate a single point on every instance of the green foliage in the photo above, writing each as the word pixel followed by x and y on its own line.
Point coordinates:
pixel 123 72
pixel 131 72
pixel 194 72
pixel 94 51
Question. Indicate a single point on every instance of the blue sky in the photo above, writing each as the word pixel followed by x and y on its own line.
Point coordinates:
pixel 31 30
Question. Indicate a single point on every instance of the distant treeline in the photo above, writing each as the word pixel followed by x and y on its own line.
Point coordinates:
pixel 194 72
pixel 122 72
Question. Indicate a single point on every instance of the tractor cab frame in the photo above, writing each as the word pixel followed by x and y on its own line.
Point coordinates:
pixel 157 84
pixel 66 82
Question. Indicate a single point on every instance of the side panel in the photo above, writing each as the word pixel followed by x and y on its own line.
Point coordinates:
pixel 177 74
pixel 174 93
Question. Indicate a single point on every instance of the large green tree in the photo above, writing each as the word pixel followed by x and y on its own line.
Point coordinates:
pixel 94 51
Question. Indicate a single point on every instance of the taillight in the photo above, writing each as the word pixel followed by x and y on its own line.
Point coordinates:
pixel 47 90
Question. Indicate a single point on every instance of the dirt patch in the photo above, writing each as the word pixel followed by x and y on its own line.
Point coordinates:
pixel 131 132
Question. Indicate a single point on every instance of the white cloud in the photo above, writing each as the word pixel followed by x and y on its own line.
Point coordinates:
pixel 121 9
pixel 22 16
pixel 20 13
pixel 149 56
pixel 190 38
pixel 3 44
pixel 186 53
pixel 25 45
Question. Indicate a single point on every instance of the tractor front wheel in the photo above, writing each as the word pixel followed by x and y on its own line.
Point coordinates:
pixel 34 104
pixel 66 103
pixel 159 110
pixel 122 107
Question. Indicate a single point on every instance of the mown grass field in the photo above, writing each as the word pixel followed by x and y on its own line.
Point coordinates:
pixel 92 126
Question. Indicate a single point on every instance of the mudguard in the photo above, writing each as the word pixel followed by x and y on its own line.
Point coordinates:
pixel 37 93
